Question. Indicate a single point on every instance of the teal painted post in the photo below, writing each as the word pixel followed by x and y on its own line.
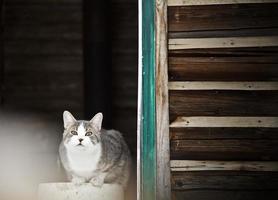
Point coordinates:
pixel 148 129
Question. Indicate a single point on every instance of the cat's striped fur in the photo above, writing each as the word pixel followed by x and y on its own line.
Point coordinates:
pixel 91 154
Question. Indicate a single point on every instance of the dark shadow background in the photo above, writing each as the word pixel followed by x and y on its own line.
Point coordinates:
pixel 71 55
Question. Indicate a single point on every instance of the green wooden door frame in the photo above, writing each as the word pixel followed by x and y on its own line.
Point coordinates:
pixel 153 163
pixel 146 116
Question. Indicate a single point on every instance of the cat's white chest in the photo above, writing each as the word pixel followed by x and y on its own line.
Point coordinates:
pixel 84 163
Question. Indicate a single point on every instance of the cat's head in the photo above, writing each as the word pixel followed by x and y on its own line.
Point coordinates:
pixel 81 134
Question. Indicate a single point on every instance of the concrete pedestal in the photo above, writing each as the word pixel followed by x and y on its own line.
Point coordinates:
pixel 69 191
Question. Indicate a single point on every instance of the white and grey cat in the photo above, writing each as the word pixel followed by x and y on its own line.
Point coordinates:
pixel 91 154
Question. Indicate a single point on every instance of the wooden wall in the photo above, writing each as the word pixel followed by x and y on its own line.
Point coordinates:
pixel 124 29
pixel 43 59
pixel 43 55
pixel 223 99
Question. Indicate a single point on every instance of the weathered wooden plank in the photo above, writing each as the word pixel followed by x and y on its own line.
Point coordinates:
pixel 215 2
pixel 45 64
pixel 42 14
pixel 32 2
pixel 196 165
pixel 266 122
pixel 44 32
pixel 226 149
pixel 212 85
pixel 225 180
pixel 223 103
pixel 223 68
pixel 200 133
pixel 44 104
pixel 222 17
pixel 163 184
pixel 227 42
pixel 147 165
pixel 224 194
pixel 216 53
pixel 271 31
pixel 43 47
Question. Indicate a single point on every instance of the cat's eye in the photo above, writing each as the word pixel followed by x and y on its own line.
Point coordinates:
pixel 88 133
pixel 73 132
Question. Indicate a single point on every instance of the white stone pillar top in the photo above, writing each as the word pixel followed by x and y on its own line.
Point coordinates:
pixel 69 191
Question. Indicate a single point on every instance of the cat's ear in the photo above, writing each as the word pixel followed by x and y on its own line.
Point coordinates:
pixel 96 121
pixel 68 119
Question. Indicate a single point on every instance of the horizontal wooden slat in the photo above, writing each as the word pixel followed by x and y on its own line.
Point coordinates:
pixel 43 64
pixel 229 42
pixel 191 66
pixel 226 149
pixel 32 2
pixel 205 194
pixel 267 54
pixel 207 133
pixel 43 47
pixel 222 17
pixel 214 2
pixel 225 122
pixel 225 180
pixel 44 32
pixel 43 14
pixel 209 85
pixel 271 31
pixel 222 103
pixel 195 165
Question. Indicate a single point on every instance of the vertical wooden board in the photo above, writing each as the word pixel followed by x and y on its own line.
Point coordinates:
pixel 163 190
pixel 148 123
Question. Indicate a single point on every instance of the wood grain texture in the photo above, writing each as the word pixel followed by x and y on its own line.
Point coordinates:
pixel 223 136
pixel 222 17
pixel 266 53
pixel 45 32
pixel 225 181
pixel 193 165
pixel 124 30
pixel 226 149
pixel 210 85
pixel 223 103
pixel 221 67
pixel 43 47
pixel 269 31
pixel 200 133
pixel 224 194
pixel 215 2
pixel 266 122
pixel 227 42
pixel 163 184
pixel 43 56
pixel 51 13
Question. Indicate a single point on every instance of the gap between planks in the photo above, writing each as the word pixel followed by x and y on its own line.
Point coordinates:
pixel 247 122
pixel 224 42
pixel 195 165
pixel 215 2
pixel 217 85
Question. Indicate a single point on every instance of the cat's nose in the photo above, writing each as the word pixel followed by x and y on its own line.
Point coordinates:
pixel 80 140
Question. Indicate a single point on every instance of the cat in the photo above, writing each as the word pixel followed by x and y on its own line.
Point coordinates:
pixel 89 153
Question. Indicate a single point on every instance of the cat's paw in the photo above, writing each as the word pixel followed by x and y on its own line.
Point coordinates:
pixel 97 181
pixel 78 180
